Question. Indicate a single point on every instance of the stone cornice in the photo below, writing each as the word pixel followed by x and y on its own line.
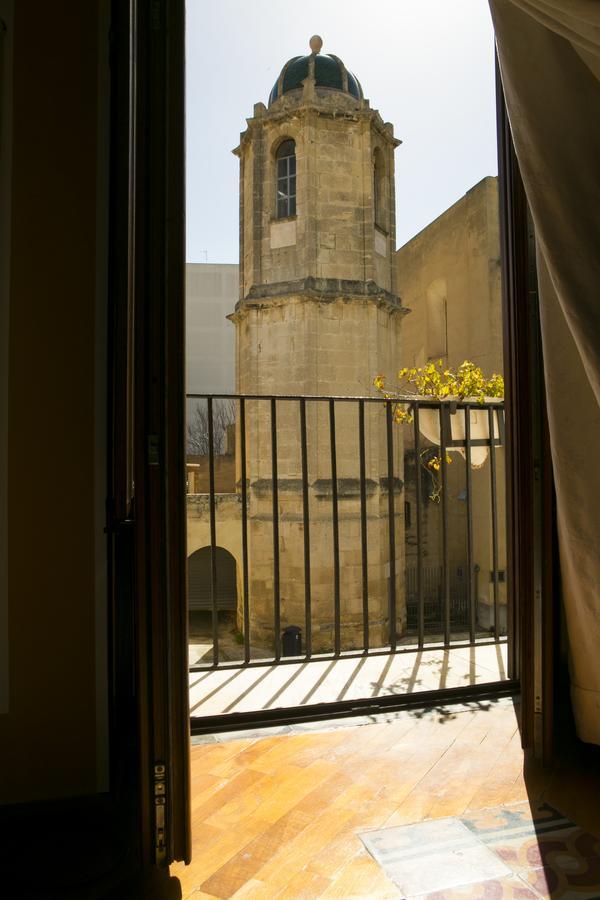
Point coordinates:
pixel 331 107
pixel 317 290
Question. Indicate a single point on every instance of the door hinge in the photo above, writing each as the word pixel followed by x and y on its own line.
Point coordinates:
pixel 160 801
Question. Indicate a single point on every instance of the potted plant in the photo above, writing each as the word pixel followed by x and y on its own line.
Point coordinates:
pixel 466 385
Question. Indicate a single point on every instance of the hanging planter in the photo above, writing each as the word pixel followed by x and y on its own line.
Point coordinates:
pixel 456 430
pixel 467 385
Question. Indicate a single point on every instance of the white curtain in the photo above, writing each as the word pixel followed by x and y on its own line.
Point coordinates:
pixel 549 52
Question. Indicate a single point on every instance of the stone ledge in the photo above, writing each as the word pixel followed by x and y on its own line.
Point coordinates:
pixel 198 504
pixel 347 487
pixel 350 487
pixel 321 290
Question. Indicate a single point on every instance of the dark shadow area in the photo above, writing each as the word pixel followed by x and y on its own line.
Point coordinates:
pixel 555 835
pixel 76 849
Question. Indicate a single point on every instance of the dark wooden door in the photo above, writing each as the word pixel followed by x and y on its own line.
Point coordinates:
pixel 150 709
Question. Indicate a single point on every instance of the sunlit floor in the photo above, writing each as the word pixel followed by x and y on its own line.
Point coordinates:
pixel 284 815
pixel 215 692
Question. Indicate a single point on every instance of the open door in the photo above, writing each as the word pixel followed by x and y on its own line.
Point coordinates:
pixel 149 609
pixel 531 531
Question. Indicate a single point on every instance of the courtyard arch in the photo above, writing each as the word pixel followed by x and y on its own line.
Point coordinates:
pixel 199 580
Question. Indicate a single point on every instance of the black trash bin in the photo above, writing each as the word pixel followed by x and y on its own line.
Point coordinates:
pixel 291 641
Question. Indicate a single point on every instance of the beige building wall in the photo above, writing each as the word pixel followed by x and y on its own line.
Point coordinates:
pixel 449 277
pixel 211 291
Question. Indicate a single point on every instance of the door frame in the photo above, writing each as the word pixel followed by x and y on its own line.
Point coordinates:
pixel 147 446
pixel 533 576
pixel 146 507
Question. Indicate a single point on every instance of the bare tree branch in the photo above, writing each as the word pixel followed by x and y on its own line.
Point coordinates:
pixel 197 427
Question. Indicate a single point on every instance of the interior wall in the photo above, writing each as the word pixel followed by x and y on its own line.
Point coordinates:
pixel 49 736
pixel 6 69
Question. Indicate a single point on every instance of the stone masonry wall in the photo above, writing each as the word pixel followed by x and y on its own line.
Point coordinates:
pixel 455 262
pixel 318 315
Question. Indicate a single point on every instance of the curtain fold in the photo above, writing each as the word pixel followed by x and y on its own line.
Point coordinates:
pixel 549 53
pixel 578 21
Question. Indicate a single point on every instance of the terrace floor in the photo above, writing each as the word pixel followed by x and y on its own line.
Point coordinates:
pixel 290 684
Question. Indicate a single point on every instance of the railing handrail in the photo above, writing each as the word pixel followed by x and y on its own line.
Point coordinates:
pixel 420 399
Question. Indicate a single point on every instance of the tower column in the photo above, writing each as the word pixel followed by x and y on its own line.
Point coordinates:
pixel 317 315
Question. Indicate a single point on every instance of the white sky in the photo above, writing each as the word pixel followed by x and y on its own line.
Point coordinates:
pixel 426 65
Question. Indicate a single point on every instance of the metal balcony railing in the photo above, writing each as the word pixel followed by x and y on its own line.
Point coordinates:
pixel 305 472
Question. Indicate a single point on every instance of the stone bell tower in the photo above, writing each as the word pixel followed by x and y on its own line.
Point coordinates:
pixel 318 315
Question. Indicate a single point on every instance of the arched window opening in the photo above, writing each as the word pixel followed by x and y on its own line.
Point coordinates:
pixel 379 188
pixel 437 322
pixel 286 179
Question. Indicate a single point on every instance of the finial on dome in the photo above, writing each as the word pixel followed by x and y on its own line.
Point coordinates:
pixel 315 43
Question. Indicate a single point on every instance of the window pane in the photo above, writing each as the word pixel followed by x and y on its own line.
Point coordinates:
pixel 287 148
pixel 292 187
pixel 292 165
pixel 282 207
pixel 292 211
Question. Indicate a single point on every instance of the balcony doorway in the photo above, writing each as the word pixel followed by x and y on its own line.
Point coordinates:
pixel 346 433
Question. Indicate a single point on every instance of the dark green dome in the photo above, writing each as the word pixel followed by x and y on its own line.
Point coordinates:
pixel 330 72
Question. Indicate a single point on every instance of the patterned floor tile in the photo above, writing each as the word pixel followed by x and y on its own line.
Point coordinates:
pixel 518 851
pixel 565 857
pixel 497 889
pixel 432 856
pixel 556 883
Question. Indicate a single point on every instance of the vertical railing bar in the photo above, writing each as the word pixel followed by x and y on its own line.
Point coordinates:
pixel 420 598
pixel 501 425
pixel 363 524
pixel 275 493
pixel 336 529
pixel 391 524
pixel 213 532
pixel 306 529
pixel 245 578
pixel 444 422
pixel 471 599
pixel 491 429
pixel 494 438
